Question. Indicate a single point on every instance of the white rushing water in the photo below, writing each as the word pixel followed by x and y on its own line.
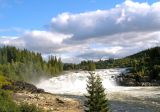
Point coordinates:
pixel 75 82
pixel 123 99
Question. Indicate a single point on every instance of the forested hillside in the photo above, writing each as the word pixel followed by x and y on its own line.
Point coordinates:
pixel 25 65
pixel 144 64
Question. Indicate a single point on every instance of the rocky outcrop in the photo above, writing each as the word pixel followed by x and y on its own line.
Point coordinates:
pixel 22 86
pixel 28 93
pixel 130 80
pixel 48 102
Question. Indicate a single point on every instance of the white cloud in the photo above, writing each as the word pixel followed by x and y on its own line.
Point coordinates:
pixel 131 25
pixel 41 41
pixel 123 30
pixel 127 17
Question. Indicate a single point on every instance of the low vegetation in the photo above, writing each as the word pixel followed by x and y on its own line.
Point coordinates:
pixel 3 81
pixel 29 108
pixel 7 104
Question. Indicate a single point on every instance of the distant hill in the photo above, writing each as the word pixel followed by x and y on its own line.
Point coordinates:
pixel 152 55
pixel 144 64
pixel 149 53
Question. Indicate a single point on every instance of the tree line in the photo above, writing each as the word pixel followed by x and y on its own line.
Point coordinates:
pixel 25 65
pixel 84 65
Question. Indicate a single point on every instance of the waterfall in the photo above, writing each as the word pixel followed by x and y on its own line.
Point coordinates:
pixel 75 82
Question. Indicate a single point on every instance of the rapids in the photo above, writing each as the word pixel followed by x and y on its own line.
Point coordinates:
pixel 122 99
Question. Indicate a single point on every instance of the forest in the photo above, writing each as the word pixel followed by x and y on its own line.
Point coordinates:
pixel 25 65
pixel 145 64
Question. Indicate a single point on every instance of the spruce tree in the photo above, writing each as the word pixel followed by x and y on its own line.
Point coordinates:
pixel 90 102
pixel 96 98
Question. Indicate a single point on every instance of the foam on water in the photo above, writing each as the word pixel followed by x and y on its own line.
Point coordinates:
pixel 75 82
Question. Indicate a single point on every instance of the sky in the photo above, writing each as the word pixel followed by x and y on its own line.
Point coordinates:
pixel 78 30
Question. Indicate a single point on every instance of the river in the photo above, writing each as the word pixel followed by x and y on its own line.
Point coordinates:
pixel 122 99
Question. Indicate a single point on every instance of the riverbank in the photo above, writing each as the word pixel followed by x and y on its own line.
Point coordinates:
pixel 48 102
pixel 25 93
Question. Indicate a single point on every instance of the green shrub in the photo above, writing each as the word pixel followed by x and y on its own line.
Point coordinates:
pixel 3 81
pixel 6 103
pixel 29 108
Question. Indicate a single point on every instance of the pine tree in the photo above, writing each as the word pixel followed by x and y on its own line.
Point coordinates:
pixel 96 98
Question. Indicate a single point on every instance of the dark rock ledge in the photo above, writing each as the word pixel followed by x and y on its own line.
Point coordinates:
pixel 130 80
pixel 22 86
